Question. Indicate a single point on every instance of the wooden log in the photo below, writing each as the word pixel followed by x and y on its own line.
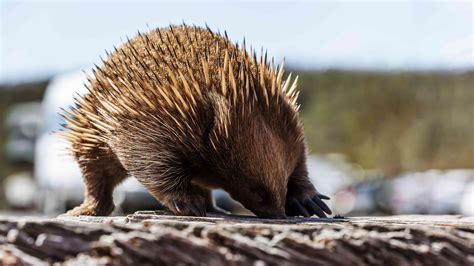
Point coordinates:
pixel 151 238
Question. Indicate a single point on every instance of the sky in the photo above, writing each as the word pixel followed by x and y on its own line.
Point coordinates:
pixel 43 38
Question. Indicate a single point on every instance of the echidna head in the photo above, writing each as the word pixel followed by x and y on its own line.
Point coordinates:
pixel 261 199
pixel 262 170
pixel 256 164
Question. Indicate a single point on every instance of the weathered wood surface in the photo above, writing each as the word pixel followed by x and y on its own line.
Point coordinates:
pixel 146 238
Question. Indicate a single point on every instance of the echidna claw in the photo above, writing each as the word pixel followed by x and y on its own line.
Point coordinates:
pixel 321 204
pixel 324 197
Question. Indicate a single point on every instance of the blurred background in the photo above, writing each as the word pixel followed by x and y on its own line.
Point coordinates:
pixel 387 95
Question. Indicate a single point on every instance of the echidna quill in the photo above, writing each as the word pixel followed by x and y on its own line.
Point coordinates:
pixel 185 110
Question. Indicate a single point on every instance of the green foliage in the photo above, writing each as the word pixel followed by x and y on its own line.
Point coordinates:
pixel 391 121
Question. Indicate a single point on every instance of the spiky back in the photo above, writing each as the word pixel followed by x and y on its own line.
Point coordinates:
pixel 164 75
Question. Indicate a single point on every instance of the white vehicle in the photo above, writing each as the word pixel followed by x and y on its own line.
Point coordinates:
pixel 57 174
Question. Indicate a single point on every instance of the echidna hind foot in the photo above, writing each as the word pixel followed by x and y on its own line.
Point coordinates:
pixel 102 172
pixel 92 207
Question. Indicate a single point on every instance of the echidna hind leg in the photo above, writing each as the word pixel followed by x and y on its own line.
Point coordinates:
pixel 102 172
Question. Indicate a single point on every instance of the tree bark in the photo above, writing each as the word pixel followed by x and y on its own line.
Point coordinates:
pixel 150 238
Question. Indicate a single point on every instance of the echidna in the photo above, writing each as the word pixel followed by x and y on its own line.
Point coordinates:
pixel 185 110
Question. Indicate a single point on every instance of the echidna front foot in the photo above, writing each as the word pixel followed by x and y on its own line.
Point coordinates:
pixel 302 199
pixel 188 206
pixel 306 202
pixel 189 203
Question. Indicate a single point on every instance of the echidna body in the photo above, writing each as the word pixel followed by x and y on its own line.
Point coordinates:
pixel 184 111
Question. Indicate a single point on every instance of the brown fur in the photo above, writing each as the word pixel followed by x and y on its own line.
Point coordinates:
pixel 184 110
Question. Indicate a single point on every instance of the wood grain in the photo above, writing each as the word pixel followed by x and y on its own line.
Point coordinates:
pixel 151 238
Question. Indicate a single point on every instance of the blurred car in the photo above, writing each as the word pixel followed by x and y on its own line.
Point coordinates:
pixel 57 175
pixel 429 192
pixel 365 198
pixel 467 206
pixel 434 192
pixel 21 125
